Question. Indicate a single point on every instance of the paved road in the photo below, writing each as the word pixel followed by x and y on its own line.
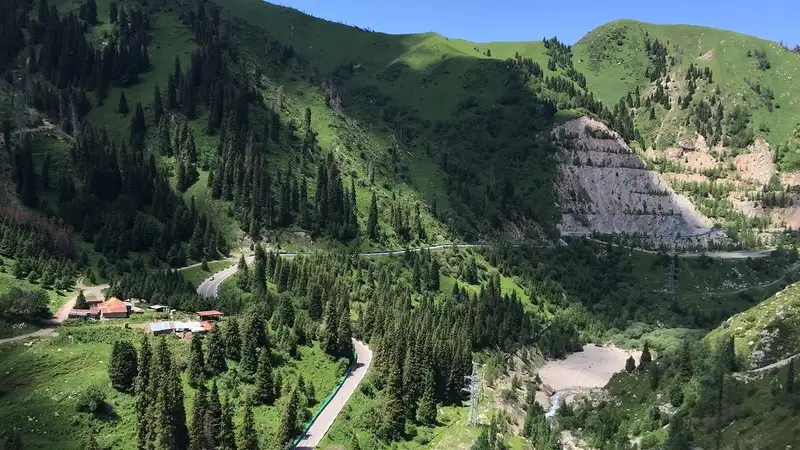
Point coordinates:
pixel 62 314
pixel 210 286
pixel 325 420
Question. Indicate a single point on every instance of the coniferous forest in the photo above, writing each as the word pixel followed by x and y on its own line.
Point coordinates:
pixel 367 196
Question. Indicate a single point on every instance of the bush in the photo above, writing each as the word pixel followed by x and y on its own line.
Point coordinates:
pixel 91 400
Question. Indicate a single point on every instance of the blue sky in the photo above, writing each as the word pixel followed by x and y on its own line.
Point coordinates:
pixel 525 20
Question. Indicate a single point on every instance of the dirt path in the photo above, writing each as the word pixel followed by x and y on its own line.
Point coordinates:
pixel 325 420
pixel 743 376
pixel 62 314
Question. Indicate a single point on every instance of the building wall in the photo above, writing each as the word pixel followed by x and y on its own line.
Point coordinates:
pixel 115 316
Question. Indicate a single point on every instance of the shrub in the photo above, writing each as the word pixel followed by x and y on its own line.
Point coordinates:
pixel 91 400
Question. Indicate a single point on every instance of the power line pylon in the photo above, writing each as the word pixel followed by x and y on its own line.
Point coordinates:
pixel 473 382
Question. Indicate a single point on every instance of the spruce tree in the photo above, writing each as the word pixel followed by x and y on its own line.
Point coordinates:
pixel 226 440
pixel 122 368
pixel 645 359
pixel 248 437
pixel 143 397
pixel 426 410
pixel 265 390
pixel 197 428
pixel 630 364
pixel 372 221
pixel 259 274
pixel 112 12
pixel 213 420
pixel 158 105
pixel 91 12
pixel 233 340
pixel 122 108
pixel 80 302
pixel 315 302
pixel 253 338
pixel 215 351
pixel 196 371
pixel 288 425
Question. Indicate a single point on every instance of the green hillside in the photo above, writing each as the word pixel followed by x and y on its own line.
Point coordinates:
pixel 767 332
pixel 614 60
pixel 169 134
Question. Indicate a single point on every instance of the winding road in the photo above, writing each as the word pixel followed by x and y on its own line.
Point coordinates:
pixel 210 286
pixel 324 421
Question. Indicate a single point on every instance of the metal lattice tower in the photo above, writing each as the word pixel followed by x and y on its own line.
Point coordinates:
pixel 473 381
pixel 671 276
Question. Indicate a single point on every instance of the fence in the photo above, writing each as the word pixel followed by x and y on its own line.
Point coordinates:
pixel 326 402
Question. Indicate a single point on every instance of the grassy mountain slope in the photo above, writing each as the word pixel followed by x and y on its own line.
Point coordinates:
pixel 702 389
pixel 614 61
pixel 767 332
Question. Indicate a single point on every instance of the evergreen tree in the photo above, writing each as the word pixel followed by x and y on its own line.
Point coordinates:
pixel 372 221
pixel 215 351
pixel 112 12
pixel 122 108
pixel 288 425
pixel 233 339
pixel 196 371
pixel 91 12
pixel 790 377
pixel 426 410
pixel 645 359
pixel 248 437
pixel 122 368
pixel 630 364
pixel 213 421
pixel 253 338
pixel 315 302
pixel 197 430
pixel 259 274
pixel 80 302
pixel 158 106
pixel 227 438
pixel 143 397
pixel 265 391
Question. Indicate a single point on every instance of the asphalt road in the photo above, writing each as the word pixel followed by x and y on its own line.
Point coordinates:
pixel 210 286
pixel 325 420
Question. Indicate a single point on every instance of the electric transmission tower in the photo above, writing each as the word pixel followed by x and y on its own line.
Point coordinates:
pixel 473 382
pixel 671 275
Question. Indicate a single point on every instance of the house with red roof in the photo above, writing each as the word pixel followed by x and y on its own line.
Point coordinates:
pixel 209 315
pixel 114 308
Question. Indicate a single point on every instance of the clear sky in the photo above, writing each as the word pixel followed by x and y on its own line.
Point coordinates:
pixel 526 20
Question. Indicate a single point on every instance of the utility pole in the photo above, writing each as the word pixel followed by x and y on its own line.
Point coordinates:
pixel 472 387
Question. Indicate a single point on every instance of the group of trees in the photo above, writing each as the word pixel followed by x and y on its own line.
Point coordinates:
pixel 153 377
pixel 42 250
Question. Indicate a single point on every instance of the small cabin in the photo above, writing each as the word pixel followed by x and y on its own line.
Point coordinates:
pixel 209 315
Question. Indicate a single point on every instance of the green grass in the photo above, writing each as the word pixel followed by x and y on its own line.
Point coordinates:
pixel 612 58
pixel 196 275
pixel 57 298
pixel 39 385
pixel 760 417
pixel 779 315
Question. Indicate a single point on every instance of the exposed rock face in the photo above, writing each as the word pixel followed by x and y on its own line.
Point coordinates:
pixel 606 188
pixel 757 165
